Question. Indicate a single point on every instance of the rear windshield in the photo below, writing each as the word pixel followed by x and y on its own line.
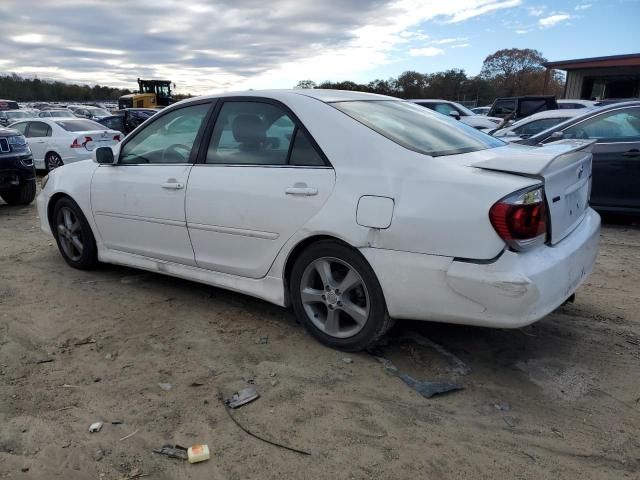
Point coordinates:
pixel 417 128
pixel 99 111
pixel 79 125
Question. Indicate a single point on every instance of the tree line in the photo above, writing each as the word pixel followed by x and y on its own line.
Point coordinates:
pixel 14 87
pixel 505 73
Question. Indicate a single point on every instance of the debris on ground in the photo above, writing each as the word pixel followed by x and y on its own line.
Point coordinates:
pixel 165 386
pixel 95 427
pixel 429 389
pixel 502 407
pixel 263 340
pixel 456 365
pixel 116 422
pixel 129 436
pixel 258 437
pixel 198 453
pixel 172 451
pixel 347 360
pixel 44 360
pixel 197 384
pixel 242 397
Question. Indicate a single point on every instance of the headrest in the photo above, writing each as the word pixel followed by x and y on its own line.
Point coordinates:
pixel 249 129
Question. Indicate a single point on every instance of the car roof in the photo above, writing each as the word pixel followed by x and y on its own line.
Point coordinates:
pixel 430 100
pixel 323 95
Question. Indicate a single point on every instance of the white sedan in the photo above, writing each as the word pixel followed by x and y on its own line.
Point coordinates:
pixel 354 208
pixel 57 141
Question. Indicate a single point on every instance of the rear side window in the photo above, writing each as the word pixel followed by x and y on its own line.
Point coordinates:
pixel 417 128
pixel 38 129
pixel 537 126
pixel 21 127
pixel 79 125
pixel 503 107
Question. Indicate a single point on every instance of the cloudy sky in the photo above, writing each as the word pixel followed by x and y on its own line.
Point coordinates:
pixel 212 45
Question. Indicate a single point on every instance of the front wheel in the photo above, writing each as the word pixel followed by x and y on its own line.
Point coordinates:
pixel 20 195
pixel 73 235
pixel 337 297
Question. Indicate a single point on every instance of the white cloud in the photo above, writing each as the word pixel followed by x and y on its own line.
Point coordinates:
pixel 461 45
pixel 537 11
pixel 554 19
pixel 583 6
pixel 104 51
pixel 426 52
pixel 446 41
pixel 29 38
pixel 522 31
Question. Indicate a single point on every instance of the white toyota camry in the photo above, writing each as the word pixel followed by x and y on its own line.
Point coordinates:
pixel 354 208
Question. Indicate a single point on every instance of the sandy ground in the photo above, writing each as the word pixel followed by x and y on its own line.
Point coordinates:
pixel 556 400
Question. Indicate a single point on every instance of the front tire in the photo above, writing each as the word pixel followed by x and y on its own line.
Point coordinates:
pixel 21 195
pixel 337 297
pixel 52 161
pixel 73 235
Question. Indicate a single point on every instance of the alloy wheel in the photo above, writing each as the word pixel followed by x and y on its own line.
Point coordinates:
pixel 335 297
pixel 69 231
pixel 53 161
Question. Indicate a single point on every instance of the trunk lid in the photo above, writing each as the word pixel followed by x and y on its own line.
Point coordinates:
pixel 565 169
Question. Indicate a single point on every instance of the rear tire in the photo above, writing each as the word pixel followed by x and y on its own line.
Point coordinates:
pixel 21 195
pixel 73 235
pixel 337 297
pixel 52 161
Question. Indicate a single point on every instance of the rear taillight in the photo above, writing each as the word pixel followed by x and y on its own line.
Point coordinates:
pixel 75 144
pixel 116 138
pixel 521 218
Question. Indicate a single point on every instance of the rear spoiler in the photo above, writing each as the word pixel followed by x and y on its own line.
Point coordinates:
pixel 535 161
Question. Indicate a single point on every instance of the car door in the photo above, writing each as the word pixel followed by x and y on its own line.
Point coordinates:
pixel 38 135
pixel 138 203
pixel 616 156
pixel 260 178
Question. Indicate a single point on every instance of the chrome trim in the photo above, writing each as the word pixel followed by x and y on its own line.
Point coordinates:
pixel 234 231
pixel 162 221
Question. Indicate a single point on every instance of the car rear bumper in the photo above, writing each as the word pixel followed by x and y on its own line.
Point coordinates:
pixel 515 290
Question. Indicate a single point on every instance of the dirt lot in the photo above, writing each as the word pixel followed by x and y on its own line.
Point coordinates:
pixel 559 399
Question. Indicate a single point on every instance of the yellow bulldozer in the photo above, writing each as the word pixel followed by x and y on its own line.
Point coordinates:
pixel 151 94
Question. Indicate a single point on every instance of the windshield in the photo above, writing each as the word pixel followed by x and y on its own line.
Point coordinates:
pixel 80 125
pixel 98 112
pixel 17 114
pixel 417 128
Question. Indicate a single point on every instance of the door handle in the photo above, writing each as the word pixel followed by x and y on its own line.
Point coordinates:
pixel 173 185
pixel 301 191
pixel 632 153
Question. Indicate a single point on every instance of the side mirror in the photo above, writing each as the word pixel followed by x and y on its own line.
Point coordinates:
pixel 103 156
pixel 454 114
pixel 558 135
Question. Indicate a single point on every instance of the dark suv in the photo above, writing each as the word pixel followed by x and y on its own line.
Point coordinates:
pixel 17 172
pixel 520 107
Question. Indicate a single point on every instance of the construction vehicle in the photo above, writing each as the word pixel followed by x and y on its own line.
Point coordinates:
pixel 151 94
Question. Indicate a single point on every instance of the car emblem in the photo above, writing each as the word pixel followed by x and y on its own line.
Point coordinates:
pixel 580 171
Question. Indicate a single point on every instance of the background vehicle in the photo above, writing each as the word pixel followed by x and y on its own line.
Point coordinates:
pixel 151 93
pixel 459 112
pixel 534 124
pixel 17 173
pixel 574 104
pixel 516 108
pixel 55 141
pixel 205 190
pixel 127 120
pixel 7 117
pixel 9 105
pixel 58 113
pixel 91 113
pixel 481 110
pixel 616 153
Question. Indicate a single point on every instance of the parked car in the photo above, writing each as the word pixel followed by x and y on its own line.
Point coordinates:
pixel 9 105
pixel 611 101
pixel 91 113
pixel 128 119
pixel 42 106
pixel 17 173
pixel 354 208
pixel 57 141
pixel 459 112
pixel 481 110
pixel 574 104
pixel 534 124
pixel 515 108
pixel 57 113
pixel 7 117
pixel 616 153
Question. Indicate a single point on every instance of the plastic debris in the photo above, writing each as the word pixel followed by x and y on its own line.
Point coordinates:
pixel 264 340
pixel 165 386
pixel 198 453
pixel 347 360
pixel 172 451
pixel 95 427
pixel 429 389
pixel 242 397
pixel 502 407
